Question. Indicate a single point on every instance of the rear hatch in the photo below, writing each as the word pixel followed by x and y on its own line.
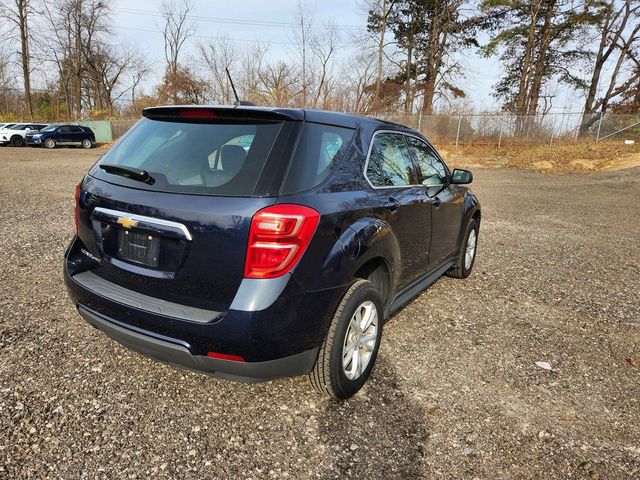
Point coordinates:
pixel 168 209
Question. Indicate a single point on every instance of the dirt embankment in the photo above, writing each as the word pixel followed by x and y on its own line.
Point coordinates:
pixel 576 157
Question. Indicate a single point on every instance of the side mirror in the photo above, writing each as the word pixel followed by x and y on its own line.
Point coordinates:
pixel 461 177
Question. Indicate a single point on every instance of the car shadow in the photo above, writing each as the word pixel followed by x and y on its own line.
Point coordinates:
pixel 378 433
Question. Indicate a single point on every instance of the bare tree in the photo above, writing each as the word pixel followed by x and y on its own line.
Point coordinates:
pixel 360 72
pixel 378 11
pixel 277 84
pixel 18 14
pixel 251 64
pixel 324 47
pixel 177 29
pixel 93 69
pixel 303 36
pixel 140 69
pixel 619 33
pixel 219 54
pixel 107 68
pixel 7 93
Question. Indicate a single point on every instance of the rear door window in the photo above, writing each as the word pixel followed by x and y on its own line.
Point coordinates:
pixel 206 158
pixel 390 163
pixel 319 151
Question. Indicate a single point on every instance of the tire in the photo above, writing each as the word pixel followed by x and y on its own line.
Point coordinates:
pixel 50 143
pixel 86 143
pixel 464 265
pixel 17 141
pixel 329 375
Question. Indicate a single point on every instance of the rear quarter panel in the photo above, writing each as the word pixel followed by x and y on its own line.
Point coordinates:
pixel 348 234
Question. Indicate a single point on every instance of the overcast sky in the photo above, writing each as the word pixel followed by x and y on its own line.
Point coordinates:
pixel 267 21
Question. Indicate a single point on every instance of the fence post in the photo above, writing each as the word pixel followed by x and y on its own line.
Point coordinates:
pixel 500 135
pixel 458 133
pixel 599 126
pixel 551 140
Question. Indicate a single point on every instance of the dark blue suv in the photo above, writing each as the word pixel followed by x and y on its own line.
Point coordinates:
pixel 254 243
pixel 55 135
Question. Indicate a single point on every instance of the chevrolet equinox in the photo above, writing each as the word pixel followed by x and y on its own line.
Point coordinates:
pixel 254 243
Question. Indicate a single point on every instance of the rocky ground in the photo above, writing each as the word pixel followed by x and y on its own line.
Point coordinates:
pixel 456 392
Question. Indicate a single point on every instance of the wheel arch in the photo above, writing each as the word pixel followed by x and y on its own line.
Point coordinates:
pixel 378 259
pixel 471 211
pixel 377 271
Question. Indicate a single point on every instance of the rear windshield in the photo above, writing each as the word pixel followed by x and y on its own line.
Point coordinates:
pixel 214 159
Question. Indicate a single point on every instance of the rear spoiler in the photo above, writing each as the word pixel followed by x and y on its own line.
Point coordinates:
pixel 200 114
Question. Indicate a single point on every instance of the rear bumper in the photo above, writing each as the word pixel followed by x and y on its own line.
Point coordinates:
pixel 175 353
pixel 277 335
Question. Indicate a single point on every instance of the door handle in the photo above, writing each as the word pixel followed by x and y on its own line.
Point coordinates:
pixel 392 205
pixel 436 202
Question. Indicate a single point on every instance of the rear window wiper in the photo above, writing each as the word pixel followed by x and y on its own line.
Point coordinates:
pixel 128 172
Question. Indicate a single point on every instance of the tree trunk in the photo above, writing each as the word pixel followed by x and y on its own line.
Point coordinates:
pixel 78 60
pixel 541 59
pixel 383 28
pixel 407 81
pixel 523 84
pixel 604 52
pixel 24 43
pixel 430 71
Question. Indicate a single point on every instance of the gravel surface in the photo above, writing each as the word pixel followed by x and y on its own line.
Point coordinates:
pixel 456 391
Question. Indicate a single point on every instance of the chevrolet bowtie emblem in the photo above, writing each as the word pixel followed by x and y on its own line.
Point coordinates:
pixel 127 222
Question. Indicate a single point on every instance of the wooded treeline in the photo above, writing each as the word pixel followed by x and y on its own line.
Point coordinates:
pixel 64 58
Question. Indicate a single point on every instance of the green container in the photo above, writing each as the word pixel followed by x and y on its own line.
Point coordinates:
pixel 102 129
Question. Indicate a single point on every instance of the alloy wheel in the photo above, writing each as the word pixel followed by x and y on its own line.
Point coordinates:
pixel 360 340
pixel 470 251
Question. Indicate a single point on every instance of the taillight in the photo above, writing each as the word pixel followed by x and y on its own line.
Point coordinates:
pixel 278 237
pixel 76 213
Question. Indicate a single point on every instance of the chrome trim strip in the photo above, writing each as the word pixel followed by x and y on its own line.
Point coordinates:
pixel 150 220
pixel 398 132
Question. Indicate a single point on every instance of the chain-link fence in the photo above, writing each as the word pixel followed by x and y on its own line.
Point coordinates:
pixel 506 129
pixel 120 126
pixel 500 129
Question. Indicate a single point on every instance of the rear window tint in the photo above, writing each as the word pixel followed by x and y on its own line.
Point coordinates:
pixel 212 158
pixel 319 151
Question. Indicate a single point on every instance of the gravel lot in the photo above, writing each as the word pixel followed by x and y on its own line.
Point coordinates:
pixel 456 391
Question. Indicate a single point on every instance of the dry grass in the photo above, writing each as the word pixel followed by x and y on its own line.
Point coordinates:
pixel 575 157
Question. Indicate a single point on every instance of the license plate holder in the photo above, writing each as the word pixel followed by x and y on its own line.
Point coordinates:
pixel 138 247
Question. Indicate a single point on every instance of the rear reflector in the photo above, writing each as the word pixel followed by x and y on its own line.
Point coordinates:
pixel 278 237
pixel 224 356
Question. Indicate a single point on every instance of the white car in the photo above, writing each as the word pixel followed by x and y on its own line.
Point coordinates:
pixel 14 134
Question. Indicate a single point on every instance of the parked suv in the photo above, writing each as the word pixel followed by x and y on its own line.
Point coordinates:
pixel 14 134
pixel 55 135
pixel 254 243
